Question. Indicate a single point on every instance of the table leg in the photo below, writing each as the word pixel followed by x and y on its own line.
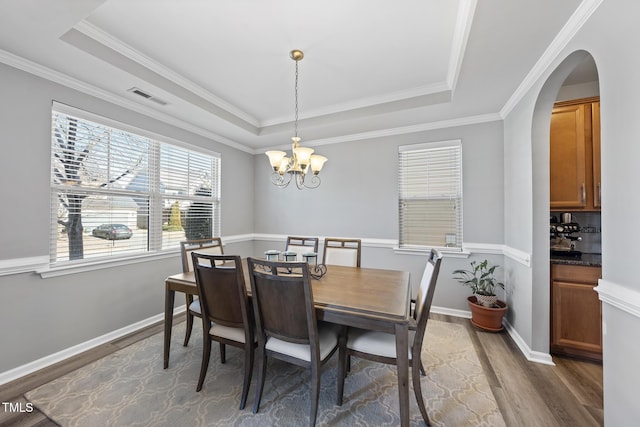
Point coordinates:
pixel 169 297
pixel 402 352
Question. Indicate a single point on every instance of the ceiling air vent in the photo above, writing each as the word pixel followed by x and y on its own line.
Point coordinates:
pixel 145 95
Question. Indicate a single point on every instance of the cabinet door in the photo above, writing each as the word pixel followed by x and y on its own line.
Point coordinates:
pixel 567 155
pixel 595 121
pixel 577 317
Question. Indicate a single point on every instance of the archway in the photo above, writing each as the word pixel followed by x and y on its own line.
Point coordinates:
pixel 540 192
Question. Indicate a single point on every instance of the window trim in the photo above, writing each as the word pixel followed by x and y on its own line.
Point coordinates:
pixel 64 267
pixel 459 248
pixel 67 268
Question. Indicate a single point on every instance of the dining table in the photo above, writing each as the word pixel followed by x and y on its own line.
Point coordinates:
pixel 367 298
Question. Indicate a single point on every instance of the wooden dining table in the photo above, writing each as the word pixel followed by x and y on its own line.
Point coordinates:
pixel 368 298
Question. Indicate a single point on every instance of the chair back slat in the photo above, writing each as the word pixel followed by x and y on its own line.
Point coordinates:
pixel 425 298
pixel 344 252
pixel 221 289
pixel 302 245
pixel 206 246
pixel 282 299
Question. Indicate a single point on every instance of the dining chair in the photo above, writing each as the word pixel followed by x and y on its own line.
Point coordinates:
pixel 381 346
pixel 302 245
pixel 212 245
pixel 226 312
pixel 342 252
pixel 286 323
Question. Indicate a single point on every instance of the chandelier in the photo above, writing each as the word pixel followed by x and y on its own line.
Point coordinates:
pixel 302 166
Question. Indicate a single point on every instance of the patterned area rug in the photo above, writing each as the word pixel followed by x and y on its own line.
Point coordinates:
pixel 130 388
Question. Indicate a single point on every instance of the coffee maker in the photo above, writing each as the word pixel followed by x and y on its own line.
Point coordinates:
pixel 563 242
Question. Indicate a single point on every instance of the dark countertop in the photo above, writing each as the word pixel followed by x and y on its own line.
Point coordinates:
pixel 589 260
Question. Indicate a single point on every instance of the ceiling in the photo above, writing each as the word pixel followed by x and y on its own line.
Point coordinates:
pixel 222 69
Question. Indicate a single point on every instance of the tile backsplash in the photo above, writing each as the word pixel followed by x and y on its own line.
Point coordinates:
pixel 590 230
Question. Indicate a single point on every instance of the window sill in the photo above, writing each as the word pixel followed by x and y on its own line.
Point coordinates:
pixel 66 269
pixel 446 252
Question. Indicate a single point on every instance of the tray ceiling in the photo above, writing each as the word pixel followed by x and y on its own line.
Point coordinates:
pixel 221 68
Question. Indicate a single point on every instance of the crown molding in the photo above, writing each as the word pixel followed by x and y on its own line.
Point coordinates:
pixel 46 73
pixel 460 38
pixel 568 31
pixel 368 102
pixel 441 124
pixel 124 49
pixel 102 37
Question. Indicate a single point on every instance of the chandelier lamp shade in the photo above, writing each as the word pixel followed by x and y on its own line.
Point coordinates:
pixel 302 166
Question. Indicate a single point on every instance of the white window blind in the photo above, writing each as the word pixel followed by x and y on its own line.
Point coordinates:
pixel 430 195
pixel 117 192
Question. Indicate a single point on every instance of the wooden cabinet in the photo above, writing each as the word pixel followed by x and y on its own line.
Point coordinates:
pixel 595 125
pixel 576 312
pixel 575 155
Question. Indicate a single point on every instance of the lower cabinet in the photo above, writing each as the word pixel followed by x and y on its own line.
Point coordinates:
pixel 576 311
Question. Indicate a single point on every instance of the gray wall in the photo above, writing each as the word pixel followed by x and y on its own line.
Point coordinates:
pixel 610 36
pixel 43 316
pixel 358 196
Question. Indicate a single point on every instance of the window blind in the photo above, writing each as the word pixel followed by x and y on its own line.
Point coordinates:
pixel 430 195
pixel 115 192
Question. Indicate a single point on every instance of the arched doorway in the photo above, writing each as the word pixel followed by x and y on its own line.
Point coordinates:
pixel 541 195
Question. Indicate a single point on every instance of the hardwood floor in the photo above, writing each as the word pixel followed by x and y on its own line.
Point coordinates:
pixel 532 394
pixel 528 394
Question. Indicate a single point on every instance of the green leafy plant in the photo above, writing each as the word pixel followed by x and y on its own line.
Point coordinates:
pixel 480 278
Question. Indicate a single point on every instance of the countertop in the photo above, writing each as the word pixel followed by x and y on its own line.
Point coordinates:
pixel 589 260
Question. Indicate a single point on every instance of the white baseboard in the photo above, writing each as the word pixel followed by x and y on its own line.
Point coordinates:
pixel 451 312
pixel 60 356
pixel 530 355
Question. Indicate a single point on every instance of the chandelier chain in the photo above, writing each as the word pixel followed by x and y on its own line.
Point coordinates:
pixel 295 124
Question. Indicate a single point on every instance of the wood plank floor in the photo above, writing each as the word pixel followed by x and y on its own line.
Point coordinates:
pixel 528 394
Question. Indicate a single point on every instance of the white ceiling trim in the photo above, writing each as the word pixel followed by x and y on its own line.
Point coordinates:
pixel 70 82
pixel 442 124
pixel 60 78
pixel 462 30
pixel 364 103
pixel 119 46
pixel 460 37
pixel 575 22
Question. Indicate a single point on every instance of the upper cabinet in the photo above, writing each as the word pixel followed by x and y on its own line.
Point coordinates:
pixel 575 155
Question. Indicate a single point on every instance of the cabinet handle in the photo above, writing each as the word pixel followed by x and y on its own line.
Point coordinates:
pixel 599 194
pixel 583 188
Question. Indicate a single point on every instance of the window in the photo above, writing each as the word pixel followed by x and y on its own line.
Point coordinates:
pixel 118 191
pixel 430 195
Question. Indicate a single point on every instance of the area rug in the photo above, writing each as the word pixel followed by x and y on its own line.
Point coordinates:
pixel 130 388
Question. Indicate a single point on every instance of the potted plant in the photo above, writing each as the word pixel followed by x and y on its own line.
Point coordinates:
pixel 487 310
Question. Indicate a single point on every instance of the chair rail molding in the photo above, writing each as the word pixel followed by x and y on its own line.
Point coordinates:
pixel 618 296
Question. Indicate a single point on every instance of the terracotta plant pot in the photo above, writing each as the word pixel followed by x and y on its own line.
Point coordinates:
pixel 487 318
